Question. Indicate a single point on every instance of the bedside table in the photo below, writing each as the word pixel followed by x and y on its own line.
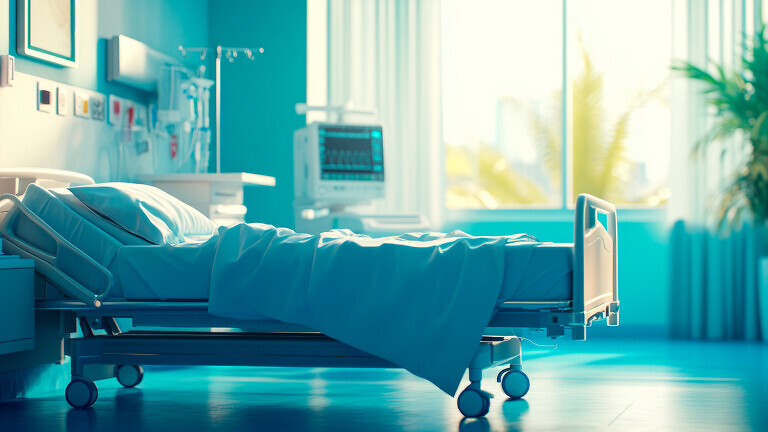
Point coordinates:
pixel 17 304
pixel 218 196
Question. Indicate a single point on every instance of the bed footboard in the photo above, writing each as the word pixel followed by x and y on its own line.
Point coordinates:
pixel 595 266
pixel 595 290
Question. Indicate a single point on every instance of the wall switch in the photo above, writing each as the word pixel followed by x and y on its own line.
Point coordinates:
pixel 45 96
pixel 7 70
pixel 98 106
pixel 61 101
pixel 81 105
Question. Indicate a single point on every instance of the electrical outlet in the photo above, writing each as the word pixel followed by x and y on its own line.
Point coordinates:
pixel 61 101
pixel 81 105
pixel 45 97
pixel 140 121
pixel 98 106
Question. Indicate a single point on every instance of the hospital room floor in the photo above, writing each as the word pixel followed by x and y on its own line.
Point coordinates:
pixel 594 385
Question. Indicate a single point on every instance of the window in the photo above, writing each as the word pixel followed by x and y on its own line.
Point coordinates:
pixel 522 78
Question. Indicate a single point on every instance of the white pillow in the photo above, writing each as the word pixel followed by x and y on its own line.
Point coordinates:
pixel 145 211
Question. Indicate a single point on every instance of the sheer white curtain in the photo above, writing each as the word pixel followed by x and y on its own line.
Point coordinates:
pixel 385 54
pixel 714 274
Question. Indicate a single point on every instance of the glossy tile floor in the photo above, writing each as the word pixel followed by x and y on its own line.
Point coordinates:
pixel 593 385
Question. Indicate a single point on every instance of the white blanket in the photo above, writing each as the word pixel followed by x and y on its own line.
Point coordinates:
pixel 421 302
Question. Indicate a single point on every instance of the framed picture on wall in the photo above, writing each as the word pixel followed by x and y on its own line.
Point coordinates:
pixel 46 30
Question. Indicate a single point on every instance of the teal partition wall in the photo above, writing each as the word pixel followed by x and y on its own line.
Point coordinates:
pixel 258 98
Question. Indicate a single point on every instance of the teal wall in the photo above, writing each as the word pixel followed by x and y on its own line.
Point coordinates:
pixel 161 24
pixel 258 98
pixel 644 277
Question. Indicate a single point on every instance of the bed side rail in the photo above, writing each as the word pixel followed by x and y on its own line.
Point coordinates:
pixel 47 259
pixel 595 269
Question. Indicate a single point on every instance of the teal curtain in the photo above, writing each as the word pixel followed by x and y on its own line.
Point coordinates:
pixel 715 288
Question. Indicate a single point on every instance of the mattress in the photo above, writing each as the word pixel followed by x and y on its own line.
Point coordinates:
pixel 533 271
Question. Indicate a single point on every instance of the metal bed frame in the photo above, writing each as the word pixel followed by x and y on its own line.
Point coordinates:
pixel 115 353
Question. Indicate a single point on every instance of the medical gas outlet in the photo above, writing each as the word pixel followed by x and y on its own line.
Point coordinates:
pixel 82 102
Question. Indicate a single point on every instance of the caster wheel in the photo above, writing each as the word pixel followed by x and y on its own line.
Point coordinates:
pixel 515 384
pixel 473 403
pixel 129 375
pixel 81 393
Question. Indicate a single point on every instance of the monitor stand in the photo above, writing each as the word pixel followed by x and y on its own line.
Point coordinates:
pixel 318 220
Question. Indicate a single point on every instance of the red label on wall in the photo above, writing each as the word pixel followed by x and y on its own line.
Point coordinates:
pixel 174 146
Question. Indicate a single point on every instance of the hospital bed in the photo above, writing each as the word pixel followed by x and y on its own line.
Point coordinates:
pixel 578 285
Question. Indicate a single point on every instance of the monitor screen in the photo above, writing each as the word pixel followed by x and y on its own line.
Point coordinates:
pixel 351 153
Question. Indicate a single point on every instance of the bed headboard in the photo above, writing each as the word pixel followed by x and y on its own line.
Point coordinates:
pixel 15 180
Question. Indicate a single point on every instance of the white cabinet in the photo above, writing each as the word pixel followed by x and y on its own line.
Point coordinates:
pixel 17 304
pixel 218 196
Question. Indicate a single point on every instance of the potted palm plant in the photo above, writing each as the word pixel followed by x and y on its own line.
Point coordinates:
pixel 741 104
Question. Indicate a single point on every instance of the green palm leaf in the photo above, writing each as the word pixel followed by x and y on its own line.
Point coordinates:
pixel 741 104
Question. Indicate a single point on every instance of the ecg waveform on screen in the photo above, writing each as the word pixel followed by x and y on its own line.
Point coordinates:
pixel 348 159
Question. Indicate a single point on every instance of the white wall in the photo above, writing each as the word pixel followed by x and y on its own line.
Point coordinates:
pixel 31 138
pixel 36 139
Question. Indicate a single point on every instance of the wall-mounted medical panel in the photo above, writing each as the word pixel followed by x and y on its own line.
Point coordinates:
pixel 135 64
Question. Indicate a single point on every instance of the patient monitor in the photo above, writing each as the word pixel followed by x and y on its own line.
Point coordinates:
pixel 339 165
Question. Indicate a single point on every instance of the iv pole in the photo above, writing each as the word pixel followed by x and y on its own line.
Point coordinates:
pixel 231 54
pixel 218 109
